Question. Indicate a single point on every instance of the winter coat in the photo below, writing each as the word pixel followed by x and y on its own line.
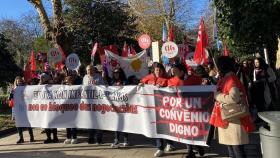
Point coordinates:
pixel 234 132
pixel 175 81
pixel 151 79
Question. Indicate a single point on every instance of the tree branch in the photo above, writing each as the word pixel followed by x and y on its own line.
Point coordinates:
pixel 43 18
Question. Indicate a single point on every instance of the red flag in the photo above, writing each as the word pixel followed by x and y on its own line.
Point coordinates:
pixel 32 61
pixel 201 53
pixel 27 74
pixel 125 50
pixel 113 48
pixel 132 51
pixel 170 34
pixel 226 52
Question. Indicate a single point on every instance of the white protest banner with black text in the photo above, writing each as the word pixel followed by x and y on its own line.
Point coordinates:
pixel 180 114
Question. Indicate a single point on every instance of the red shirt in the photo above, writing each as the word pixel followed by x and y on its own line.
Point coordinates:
pixel 175 81
pixel 153 80
pixel 193 80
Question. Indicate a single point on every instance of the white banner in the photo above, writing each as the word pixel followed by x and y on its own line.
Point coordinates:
pixel 179 114
pixel 134 65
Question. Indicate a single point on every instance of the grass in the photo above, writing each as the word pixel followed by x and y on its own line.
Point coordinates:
pixel 6 119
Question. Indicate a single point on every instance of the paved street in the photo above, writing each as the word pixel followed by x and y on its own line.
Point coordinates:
pixel 141 147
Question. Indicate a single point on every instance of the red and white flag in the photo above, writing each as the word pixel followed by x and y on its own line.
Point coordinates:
pixel 201 54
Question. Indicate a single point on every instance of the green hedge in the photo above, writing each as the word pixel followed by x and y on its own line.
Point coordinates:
pixel 4 102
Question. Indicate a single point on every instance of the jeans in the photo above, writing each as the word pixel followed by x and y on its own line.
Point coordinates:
pixel 98 134
pixel 20 132
pixel 117 137
pixel 71 133
pixel 49 131
pixel 236 151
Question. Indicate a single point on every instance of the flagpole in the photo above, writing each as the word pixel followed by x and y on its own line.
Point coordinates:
pixel 211 53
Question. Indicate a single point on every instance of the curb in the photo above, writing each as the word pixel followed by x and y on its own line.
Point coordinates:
pixel 8 131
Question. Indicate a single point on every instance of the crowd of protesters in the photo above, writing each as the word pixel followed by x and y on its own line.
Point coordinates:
pixel 252 78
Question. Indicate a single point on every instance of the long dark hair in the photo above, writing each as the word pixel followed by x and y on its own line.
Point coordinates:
pixel 262 63
pixel 160 66
pixel 225 64
pixel 122 76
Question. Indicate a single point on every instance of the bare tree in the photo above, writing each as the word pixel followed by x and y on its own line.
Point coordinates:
pixel 171 11
pixel 153 13
pixel 31 23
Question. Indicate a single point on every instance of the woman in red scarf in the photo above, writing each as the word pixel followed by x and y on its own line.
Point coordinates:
pixel 180 79
pixel 158 78
pixel 233 133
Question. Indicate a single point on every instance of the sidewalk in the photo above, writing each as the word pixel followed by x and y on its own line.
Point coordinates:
pixel 142 147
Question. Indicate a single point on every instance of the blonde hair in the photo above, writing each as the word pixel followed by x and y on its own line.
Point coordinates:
pixel 16 79
pixel 90 66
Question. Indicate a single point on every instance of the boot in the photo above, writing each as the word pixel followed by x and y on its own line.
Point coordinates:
pixel 20 141
pixel 31 135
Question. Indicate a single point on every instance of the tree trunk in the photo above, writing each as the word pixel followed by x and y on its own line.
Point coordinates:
pixel 56 33
pixel 43 18
pixel 61 38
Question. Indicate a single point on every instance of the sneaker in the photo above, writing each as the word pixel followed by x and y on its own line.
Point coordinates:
pixel 169 148
pixel 67 141
pixel 74 141
pixel 126 144
pixel 47 141
pixel 115 145
pixel 159 153
pixel 20 141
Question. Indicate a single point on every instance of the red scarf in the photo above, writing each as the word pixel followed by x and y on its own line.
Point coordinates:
pixel 224 85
